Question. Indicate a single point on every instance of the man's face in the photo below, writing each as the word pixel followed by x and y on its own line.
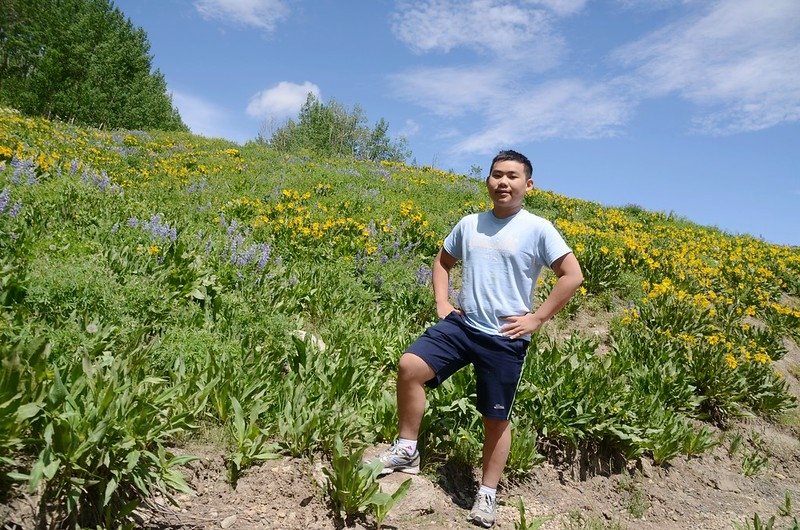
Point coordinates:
pixel 507 186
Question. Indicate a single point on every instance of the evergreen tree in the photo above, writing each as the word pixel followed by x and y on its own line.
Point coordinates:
pixel 81 60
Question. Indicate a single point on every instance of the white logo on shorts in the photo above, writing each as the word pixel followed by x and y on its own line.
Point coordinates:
pixel 499 407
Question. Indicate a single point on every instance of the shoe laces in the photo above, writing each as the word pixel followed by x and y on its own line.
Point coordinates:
pixel 485 502
pixel 398 449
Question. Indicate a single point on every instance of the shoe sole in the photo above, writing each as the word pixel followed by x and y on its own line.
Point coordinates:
pixel 482 522
pixel 410 470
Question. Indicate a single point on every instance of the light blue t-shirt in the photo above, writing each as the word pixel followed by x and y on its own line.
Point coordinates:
pixel 501 260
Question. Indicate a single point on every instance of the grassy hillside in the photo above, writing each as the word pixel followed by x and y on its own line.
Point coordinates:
pixel 153 283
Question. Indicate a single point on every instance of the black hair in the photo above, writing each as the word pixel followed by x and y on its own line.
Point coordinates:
pixel 516 157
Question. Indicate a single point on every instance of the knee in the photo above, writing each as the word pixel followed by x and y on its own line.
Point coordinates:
pixel 495 427
pixel 413 369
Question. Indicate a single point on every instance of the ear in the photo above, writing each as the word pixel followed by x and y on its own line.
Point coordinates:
pixel 529 184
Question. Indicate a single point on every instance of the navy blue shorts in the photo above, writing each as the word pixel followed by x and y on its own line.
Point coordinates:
pixel 450 345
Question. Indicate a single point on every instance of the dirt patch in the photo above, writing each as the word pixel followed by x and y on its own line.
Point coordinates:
pixel 707 492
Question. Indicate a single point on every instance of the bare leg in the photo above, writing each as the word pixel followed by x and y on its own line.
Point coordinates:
pixel 496 447
pixel 412 374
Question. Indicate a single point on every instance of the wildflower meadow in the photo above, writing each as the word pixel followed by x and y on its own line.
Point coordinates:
pixel 154 285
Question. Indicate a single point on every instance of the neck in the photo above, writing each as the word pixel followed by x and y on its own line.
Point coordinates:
pixel 502 213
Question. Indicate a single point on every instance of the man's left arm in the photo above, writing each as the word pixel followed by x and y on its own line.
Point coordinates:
pixel 570 277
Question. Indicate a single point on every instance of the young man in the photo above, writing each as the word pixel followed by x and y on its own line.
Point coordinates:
pixel 502 252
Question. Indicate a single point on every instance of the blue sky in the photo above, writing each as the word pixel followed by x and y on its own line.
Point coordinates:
pixel 683 106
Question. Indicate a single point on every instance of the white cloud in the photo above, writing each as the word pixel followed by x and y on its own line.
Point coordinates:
pixel 205 118
pixel 561 7
pixel 561 109
pixel 508 29
pixel 281 101
pixel 738 61
pixel 263 14
pixel 449 91
pixel 410 128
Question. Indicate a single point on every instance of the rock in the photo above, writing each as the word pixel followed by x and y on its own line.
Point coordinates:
pixel 724 484
pixel 647 469
pixel 228 521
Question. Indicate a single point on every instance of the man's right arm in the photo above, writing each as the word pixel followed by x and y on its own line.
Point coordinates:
pixel 440 269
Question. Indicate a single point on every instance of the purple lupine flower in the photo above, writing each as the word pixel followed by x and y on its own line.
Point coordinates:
pixel 378 281
pixel 23 170
pixel 234 242
pixel 73 166
pixel 133 222
pixel 102 181
pixel 245 257
pixel 293 280
pixel 423 275
pixel 114 228
pixel 14 211
pixel 384 259
pixel 266 250
pixel 159 230
pixel 197 186
pixel 5 196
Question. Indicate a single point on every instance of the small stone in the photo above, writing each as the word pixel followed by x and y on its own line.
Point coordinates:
pixel 228 521
pixel 647 469
pixel 724 484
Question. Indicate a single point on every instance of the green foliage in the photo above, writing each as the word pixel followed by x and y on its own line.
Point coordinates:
pixel 785 509
pixel 250 442
pixel 351 487
pixel 81 60
pixel 523 523
pixel 332 130
pixel 756 524
pixel 756 459
pixel 524 455
pixel 100 432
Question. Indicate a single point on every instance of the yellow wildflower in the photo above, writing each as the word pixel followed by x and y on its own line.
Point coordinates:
pixel 731 361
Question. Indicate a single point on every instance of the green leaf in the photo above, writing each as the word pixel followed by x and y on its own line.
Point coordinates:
pixel 184 459
pixel 51 468
pixel 132 459
pixel 111 487
pixel 48 434
pixel 36 476
pixel 199 293
pixel 28 411
pixel 175 480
